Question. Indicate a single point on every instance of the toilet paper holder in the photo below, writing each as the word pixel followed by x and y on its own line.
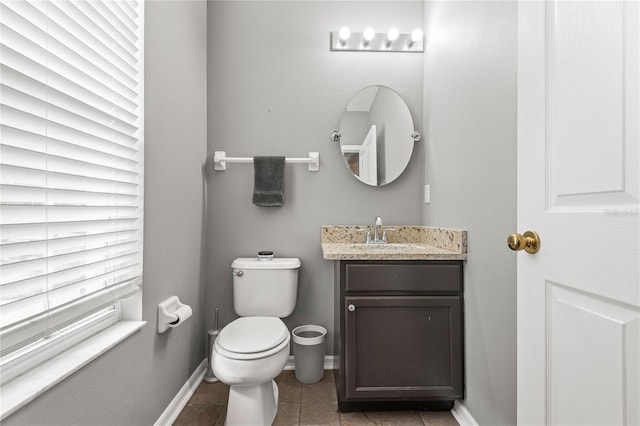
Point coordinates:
pixel 172 313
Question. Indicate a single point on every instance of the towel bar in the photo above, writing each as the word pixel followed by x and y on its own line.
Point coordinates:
pixel 220 160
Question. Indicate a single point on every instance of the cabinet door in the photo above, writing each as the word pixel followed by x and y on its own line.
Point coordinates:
pixel 403 348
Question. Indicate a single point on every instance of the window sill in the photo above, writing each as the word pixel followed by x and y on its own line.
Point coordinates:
pixel 25 388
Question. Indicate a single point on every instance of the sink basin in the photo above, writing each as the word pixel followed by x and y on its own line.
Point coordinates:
pixel 389 247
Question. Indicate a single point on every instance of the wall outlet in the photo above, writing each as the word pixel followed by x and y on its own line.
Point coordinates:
pixel 427 194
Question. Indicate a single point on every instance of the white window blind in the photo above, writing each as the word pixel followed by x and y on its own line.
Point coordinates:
pixel 71 147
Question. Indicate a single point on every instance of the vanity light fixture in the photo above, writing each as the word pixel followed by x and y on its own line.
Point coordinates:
pixel 370 41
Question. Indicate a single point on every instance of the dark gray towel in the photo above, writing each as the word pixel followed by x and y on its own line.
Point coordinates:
pixel 268 181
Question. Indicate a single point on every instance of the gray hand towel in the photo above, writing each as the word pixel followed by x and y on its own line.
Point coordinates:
pixel 268 181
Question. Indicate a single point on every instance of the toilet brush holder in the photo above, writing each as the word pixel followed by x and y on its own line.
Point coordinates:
pixel 212 335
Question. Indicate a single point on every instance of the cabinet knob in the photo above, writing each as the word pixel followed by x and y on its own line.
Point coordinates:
pixel 351 308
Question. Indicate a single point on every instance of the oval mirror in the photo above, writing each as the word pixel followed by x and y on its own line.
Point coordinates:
pixel 376 135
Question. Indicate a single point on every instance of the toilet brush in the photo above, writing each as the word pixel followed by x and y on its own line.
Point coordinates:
pixel 212 334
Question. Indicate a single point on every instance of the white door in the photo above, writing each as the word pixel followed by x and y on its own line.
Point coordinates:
pixel 578 131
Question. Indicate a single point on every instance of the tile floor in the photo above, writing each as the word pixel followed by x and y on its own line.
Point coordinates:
pixel 303 405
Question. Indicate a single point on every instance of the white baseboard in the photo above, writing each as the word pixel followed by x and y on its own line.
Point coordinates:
pixel 329 363
pixel 462 415
pixel 183 396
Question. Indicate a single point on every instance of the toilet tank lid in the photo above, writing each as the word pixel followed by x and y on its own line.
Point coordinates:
pixel 275 263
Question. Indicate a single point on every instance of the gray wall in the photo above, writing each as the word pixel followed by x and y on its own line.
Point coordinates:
pixel 470 117
pixel 276 89
pixel 134 382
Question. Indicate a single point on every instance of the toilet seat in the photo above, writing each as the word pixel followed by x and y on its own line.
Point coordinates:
pixel 252 337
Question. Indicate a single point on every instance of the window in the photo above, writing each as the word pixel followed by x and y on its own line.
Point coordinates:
pixel 71 181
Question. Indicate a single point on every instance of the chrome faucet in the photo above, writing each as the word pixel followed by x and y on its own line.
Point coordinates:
pixel 379 236
pixel 377 231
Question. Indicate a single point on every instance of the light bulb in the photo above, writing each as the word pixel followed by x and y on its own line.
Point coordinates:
pixel 392 34
pixel 369 33
pixel 344 33
pixel 416 35
pixel 367 36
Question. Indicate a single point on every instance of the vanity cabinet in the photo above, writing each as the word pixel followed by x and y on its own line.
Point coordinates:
pixel 400 340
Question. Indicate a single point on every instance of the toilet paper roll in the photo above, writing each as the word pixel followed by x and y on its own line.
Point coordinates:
pixel 183 313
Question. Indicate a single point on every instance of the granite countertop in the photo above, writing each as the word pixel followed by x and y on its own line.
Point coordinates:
pixel 405 243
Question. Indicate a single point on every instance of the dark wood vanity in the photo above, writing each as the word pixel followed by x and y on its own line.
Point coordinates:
pixel 400 339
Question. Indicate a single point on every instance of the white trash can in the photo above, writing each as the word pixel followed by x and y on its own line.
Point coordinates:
pixel 309 343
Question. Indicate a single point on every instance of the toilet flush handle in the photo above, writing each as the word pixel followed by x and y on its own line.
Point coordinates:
pixel 238 273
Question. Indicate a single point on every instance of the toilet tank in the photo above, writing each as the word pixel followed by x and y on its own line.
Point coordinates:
pixel 265 287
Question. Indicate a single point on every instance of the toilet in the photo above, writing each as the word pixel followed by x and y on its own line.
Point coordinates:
pixel 253 349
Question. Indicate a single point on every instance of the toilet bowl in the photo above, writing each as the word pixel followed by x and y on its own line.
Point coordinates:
pixel 247 355
pixel 253 349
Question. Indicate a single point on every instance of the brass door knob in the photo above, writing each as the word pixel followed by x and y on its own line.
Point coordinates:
pixel 529 242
